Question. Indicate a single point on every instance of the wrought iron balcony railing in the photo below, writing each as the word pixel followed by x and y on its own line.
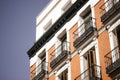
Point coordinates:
pixel 109 9
pixel 112 60
pixel 84 32
pixel 69 14
pixel 92 73
pixel 59 54
pixel 39 71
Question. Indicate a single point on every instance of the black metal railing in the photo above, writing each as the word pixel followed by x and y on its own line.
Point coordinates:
pixel 112 60
pixel 40 70
pixel 84 31
pixel 92 73
pixel 69 14
pixel 59 53
pixel 109 8
pixel 107 5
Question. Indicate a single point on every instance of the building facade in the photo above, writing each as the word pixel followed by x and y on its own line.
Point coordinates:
pixel 77 40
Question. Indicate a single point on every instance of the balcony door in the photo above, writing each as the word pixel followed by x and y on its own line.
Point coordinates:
pixel 63 75
pixel 116 43
pixel 90 60
pixel 86 18
pixel 118 35
pixel 43 61
pixel 63 42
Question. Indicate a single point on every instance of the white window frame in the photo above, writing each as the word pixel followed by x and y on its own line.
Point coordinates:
pixel 111 28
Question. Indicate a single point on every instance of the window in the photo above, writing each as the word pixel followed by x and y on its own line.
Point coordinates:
pixel 63 75
pixel 111 3
pixel 116 44
pixel 42 56
pixel 90 58
pixel 86 18
pixel 116 36
pixel 89 64
pixel 107 6
pixel 62 42
pixel 61 46
pixel 47 25
pixel 66 5
pixel 42 64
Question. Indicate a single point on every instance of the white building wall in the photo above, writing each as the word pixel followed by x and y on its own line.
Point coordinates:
pixel 54 14
pixel 47 14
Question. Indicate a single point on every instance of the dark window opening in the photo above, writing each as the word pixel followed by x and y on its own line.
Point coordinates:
pixel 118 35
pixel 63 40
pixel 64 75
pixel 90 60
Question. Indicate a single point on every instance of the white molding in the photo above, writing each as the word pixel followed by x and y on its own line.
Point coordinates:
pixel 46 10
pixel 61 69
pixel 94 2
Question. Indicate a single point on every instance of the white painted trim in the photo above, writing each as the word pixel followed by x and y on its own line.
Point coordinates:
pixel 94 2
pixel 66 4
pixel 97 53
pixel 81 64
pixel 66 66
pixel 84 7
pixel 69 71
pixel 110 29
pixel 113 26
pixel 45 11
pixel 82 52
pixel 62 69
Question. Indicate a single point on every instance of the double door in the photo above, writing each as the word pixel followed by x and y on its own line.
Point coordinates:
pixel 90 65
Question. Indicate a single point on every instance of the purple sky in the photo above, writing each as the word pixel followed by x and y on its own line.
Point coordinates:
pixel 17 35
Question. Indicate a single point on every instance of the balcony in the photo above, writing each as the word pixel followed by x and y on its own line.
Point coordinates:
pixel 68 15
pixel 112 61
pixel 83 33
pixel 109 10
pixel 40 71
pixel 59 54
pixel 92 73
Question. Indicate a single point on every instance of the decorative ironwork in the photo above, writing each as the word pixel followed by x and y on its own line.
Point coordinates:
pixel 83 33
pixel 59 54
pixel 112 60
pixel 92 73
pixel 56 26
pixel 109 9
pixel 40 70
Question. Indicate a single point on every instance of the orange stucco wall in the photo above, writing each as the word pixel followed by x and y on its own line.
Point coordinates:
pixel 75 67
pixel 72 36
pixel 52 77
pixel 75 61
pixel 98 14
pixel 49 57
pixel 31 69
pixel 103 39
pixel 104 48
